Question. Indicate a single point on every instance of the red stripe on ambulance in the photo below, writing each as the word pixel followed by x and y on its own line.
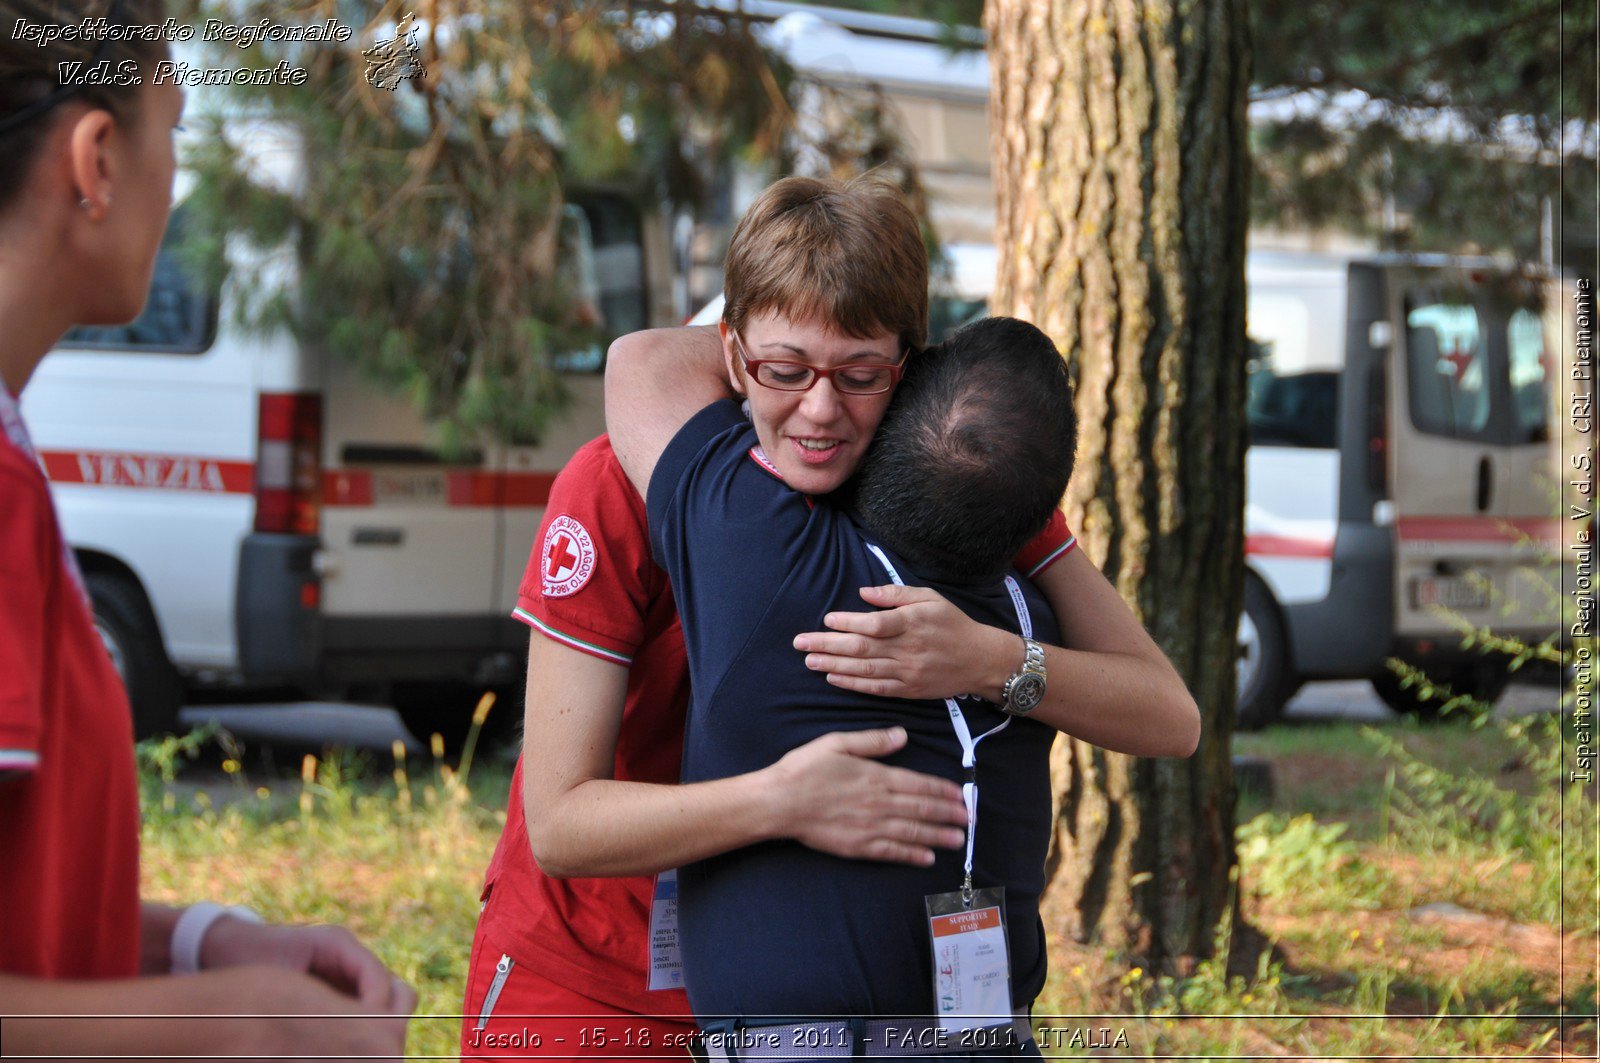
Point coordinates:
pixel 1479 529
pixel 461 487
pixel 1286 546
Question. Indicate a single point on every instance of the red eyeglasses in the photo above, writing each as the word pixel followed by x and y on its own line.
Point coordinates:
pixel 855 378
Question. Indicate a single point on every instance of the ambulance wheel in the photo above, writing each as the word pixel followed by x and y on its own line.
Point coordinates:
pixel 1263 676
pixel 127 627
pixel 445 707
pixel 1485 678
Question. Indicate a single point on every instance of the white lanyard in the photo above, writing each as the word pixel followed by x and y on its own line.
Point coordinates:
pixel 16 430
pixel 958 720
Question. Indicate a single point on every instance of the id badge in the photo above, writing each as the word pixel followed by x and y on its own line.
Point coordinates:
pixel 666 961
pixel 971 963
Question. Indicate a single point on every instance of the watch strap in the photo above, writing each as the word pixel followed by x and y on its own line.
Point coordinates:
pixel 1032 665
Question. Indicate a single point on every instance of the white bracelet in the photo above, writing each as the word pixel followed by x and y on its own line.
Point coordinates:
pixel 189 932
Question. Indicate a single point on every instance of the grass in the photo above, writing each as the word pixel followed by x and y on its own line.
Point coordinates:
pixel 1418 896
pixel 1407 876
pixel 1332 771
pixel 397 856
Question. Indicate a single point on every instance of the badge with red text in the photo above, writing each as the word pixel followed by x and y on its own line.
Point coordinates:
pixel 666 959
pixel 568 558
pixel 971 962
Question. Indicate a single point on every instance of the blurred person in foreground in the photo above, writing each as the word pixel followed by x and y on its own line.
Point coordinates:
pixel 86 177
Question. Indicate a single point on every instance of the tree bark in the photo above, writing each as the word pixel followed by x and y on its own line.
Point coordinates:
pixel 1121 169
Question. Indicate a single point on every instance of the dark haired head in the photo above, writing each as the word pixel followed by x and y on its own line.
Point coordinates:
pixel 974 453
pixel 31 89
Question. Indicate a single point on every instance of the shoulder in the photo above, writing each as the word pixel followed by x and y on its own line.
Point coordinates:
pixel 18 469
pixel 593 484
pixel 719 427
pixel 595 465
pixel 24 498
pixel 704 448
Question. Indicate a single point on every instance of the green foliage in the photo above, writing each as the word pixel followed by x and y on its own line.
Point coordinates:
pixel 1210 989
pixel 1480 816
pixel 1477 817
pixel 1459 135
pixel 400 863
pixel 1466 119
pixel 430 226
pixel 158 761
pixel 427 221
pixel 956 17
pixel 1279 856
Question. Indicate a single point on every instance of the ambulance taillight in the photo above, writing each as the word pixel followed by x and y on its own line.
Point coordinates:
pixel 289 464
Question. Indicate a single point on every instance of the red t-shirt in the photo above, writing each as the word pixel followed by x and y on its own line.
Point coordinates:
pixel 69 805
pixel 591 585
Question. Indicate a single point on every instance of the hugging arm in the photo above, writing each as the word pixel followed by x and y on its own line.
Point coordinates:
pixel 655 381
pixel 828 794
pixel 1113 687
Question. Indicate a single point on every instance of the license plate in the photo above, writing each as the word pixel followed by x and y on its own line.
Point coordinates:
pixel 409 488
pixel 1450 592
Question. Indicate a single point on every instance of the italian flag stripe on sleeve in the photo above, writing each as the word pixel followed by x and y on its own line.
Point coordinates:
pixel 1055 555
pixel 570 640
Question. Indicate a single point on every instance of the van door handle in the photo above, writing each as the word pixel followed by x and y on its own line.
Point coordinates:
pixel 1485 484
pixel 377 537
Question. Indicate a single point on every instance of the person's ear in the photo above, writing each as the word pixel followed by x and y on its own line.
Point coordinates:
pixel 89 161
pixel 730 358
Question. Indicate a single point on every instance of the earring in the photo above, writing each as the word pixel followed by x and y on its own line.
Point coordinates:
pixel 84 204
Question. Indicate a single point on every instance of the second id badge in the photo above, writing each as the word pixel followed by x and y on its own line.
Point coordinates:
pixel 971 962
pixel 666 961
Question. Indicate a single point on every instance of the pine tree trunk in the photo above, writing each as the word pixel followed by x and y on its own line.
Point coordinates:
pixel 1121 168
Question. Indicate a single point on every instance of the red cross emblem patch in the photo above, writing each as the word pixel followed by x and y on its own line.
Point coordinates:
pixel 568 557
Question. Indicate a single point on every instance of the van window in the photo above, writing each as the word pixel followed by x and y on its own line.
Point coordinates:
pixel 180 315
pixel 1447 368
pixel 1530 376
pixel 1298 410
pixel 1286 403
pixel 619 262
pixel 946 313
pixel 603 259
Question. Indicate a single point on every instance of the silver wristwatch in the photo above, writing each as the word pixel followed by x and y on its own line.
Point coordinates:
pixel 1025 689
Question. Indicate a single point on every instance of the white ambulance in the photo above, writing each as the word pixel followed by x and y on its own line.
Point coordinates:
pixel 245 510
pixel 1403 476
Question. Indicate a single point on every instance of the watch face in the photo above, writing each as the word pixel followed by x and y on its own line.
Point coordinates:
pixel 1026 693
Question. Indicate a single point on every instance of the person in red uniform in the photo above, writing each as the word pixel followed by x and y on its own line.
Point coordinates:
pixel 572 953
pixel 85 184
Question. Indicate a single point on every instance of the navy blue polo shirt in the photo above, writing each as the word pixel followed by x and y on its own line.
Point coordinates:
pixel 777 929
